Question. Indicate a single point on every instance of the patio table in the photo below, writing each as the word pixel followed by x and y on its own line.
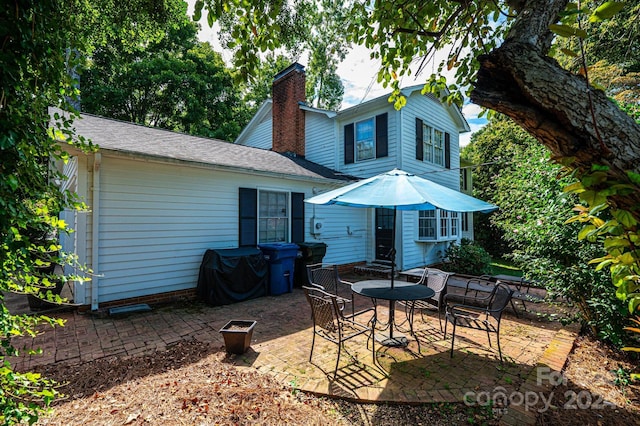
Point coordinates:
pixel 381 289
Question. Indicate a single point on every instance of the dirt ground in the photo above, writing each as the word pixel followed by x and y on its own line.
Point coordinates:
pixel 179 386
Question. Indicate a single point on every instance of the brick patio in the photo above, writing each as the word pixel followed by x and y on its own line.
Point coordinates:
pixel 282 339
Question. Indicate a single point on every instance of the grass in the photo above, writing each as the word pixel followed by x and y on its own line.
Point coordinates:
pixel 504 267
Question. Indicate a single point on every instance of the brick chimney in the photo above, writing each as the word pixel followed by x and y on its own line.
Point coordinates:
pixel 287 91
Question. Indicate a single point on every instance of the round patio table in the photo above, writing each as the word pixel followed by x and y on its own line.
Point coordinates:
pixel 381 289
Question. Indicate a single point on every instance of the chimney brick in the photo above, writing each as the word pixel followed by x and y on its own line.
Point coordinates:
pixel 287 91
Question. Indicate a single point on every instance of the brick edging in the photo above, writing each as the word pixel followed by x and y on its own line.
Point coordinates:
pixel 555 358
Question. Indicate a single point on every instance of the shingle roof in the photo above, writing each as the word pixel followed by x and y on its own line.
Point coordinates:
pixel 138 140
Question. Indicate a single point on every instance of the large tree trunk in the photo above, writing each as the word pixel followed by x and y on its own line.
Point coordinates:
pixel 573 120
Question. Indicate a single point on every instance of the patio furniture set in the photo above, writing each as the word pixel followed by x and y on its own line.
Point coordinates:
pixel 476 308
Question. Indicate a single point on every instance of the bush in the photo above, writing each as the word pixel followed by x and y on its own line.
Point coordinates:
pixel 468 258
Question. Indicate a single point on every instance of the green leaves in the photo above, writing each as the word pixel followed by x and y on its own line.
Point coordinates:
pixel 567 31
pixel 606 11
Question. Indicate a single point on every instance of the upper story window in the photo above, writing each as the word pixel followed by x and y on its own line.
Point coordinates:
pixel 437 225
pixel 432 145
pixel 366 139
pixel 438 147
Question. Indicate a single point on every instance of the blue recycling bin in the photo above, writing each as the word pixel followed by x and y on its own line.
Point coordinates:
pixel 281 259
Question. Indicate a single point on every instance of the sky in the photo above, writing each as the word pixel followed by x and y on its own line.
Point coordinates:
pixel 359 77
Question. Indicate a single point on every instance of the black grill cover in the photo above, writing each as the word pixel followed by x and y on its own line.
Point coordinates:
pixel 232 275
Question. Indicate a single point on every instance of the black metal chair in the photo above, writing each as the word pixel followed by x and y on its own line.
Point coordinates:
pixel 327 278
pixel 331 324
pixel 477 317
pixel 436 280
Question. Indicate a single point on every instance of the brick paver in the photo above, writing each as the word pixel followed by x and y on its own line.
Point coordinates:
pixel 282 339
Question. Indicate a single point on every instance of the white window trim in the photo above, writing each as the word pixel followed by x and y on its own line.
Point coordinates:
pixel 429 148
pixel 439 237
pixel 259 217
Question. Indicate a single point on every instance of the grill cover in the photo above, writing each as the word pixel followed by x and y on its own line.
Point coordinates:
pixel 232 275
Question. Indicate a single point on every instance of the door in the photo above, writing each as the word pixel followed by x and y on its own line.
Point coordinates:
pixel 384 234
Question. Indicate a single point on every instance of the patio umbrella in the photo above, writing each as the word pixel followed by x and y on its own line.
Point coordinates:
pixel 399 190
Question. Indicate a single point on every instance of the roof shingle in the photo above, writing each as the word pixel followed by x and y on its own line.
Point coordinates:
pixel 138 140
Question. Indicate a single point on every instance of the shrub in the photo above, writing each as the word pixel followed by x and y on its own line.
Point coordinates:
pixel 468 258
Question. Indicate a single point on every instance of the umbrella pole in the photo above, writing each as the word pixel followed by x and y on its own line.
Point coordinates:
pixel 393 246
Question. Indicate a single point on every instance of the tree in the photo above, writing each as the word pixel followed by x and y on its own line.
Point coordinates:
pixel 317 29
pixel 34 76
pixel 500 51
pixel 531 219
pixel 39 50
pixel 257 88
pixel 167 79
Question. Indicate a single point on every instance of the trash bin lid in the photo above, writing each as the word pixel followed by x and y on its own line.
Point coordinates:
pixel 278 246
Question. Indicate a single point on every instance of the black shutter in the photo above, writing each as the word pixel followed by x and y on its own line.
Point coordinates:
pixel 248 216
pixel 348 143
pixel 382 144
pixel 419 140
pixel 447 150
pixel 297 217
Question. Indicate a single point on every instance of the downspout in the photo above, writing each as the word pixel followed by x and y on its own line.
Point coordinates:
pixel 95 229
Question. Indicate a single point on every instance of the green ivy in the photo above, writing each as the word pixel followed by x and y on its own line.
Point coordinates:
pixel 35 75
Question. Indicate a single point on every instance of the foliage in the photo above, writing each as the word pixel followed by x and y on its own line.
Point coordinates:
pixel 467 258
pixel 532 216
pixel 34 76
pixel 616 228
pixel 258 87
pixel 492 150
pixel 166 79
pixel 303 27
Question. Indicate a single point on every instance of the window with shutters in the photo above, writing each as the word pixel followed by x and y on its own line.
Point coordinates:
pixel 273 217
pixel 270 216
pixel 364 140
pixel 438 225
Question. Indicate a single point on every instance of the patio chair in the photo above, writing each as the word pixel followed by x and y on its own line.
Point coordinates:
pixel 517 284
pixel 327 278
pixel 331 324
pixel 485 318
pixel 436 280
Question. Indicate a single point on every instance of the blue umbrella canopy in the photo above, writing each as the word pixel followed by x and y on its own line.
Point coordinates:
pixel 399 190
pixel 402 191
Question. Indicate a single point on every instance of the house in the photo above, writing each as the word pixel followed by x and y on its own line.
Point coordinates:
pixel 363 141
pixel 159 199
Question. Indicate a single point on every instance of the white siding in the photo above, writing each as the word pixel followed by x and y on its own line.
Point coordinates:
pixel 320 139
pixel 415 253
pixel 434 114
pixel 261 135
pixel 344 231
pixel 157 220
pixel 374 166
